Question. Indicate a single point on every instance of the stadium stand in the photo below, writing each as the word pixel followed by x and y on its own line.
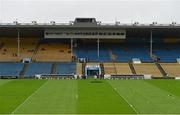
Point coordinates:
pixel 109 68
pixel 123 68
pixel 92 63
pixel 125 52
pixel 79 69
pixel 28 47
pixel 66 68
pixel 87 51
pixel 117 68
pixel 108 52
pixel 172 69
pixel 8 51
pixel 58 48
pixel 10 69
pixel 147 69
pixel 51 52
pixel 38 68
pixel 167 52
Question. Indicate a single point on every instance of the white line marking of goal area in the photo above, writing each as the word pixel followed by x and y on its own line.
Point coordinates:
pixel 115 89
pixel 13 112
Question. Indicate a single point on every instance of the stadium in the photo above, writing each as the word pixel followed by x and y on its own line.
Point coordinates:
pixel 89 67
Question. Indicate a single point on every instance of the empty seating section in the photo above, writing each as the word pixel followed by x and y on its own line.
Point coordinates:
pixel 167 52
pixel 121 52
pixel 123 68
pixel 109 68
pixel 117 68
pixel 125 52
pixel 79 68
pixel 66 68
pixel 147 69
pixel 28 47
pixel 172 69
pixel 8 52
pixel 9 48
pixel 89 51
pixel 53 52
pixel 10 69
pixel 38 68
pixel 60 51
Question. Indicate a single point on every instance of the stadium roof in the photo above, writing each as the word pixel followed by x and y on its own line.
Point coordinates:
pixel 133 30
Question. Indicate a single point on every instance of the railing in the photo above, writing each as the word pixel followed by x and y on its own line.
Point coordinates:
pixel 99 24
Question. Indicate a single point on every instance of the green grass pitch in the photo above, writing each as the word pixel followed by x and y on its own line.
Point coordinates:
pixel 89 96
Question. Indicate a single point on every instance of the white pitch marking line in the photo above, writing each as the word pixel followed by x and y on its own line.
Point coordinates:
pixel 128 102
pixel 28 98
pixel 115 89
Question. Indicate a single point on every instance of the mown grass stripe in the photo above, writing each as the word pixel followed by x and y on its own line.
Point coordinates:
pixel 56 97
pixel 35 91
pixel 171 86
pixel 13 93
pixel 2 82
pixel 147 99
pixel 98 97
pixel 131 105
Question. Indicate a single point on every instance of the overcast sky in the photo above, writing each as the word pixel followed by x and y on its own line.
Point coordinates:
pixel 107 11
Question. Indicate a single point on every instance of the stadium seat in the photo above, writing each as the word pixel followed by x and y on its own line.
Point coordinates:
pixel 147 69
pixel 51 52
pixel 66 68
pixel 9 51
pixel 172 69
pixel 38 68
pixel 10 69
pixel 167 52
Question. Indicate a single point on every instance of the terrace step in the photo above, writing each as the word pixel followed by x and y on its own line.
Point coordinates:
pixel 25 67
pixel 132 68
pixel 83 68
pixel 102 68
pixel 54 68
pixel 164 74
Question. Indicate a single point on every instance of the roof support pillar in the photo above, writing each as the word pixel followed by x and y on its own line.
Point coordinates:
pixel 71 47
pixel 151 45
pixel 18 42
pixel 98 47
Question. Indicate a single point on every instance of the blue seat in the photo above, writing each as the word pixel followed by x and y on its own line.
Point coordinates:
pixel 66 68
pixel 38 68
pixel 167 52
pixel 10 69
pixel 124 52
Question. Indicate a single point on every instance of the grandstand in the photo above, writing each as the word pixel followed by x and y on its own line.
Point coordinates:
pixel 172 69
pixel 117 68
pixel 52 52
pixel 85 47
pixel 10 69
pixel 148 68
